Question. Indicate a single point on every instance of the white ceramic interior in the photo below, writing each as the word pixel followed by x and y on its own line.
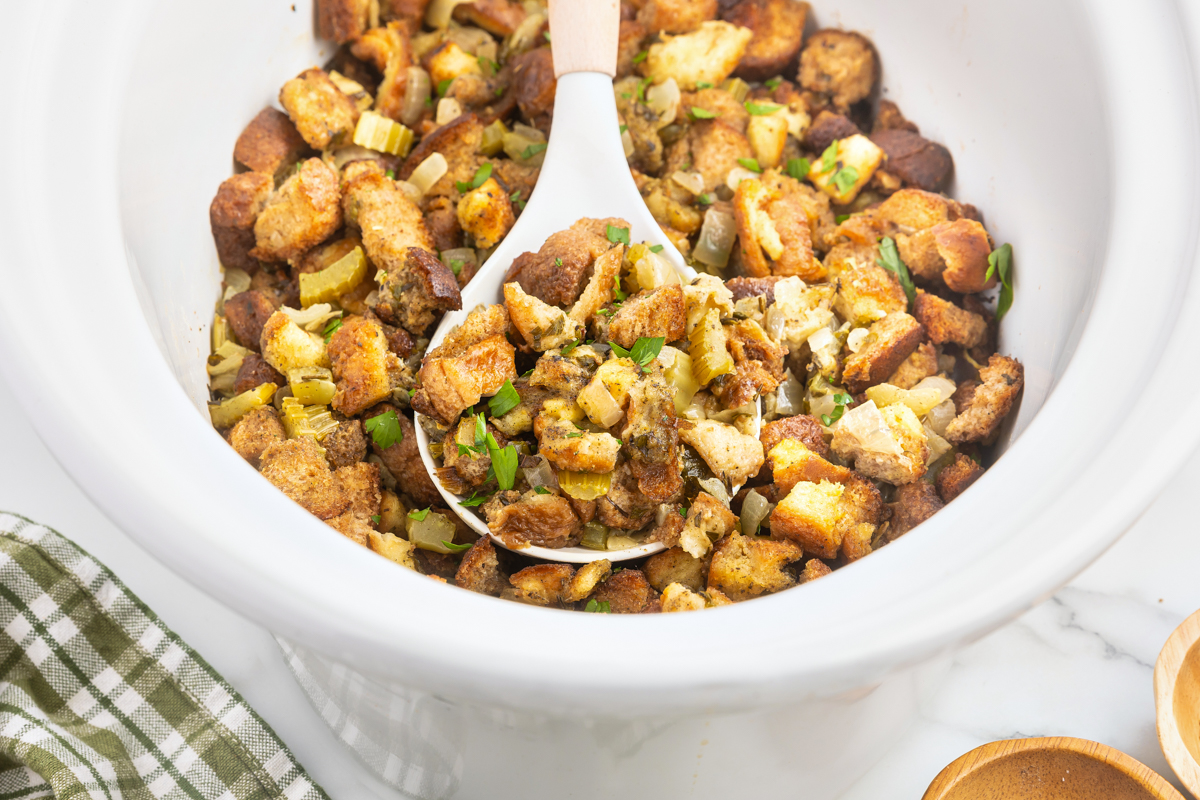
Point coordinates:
pixel 1073 126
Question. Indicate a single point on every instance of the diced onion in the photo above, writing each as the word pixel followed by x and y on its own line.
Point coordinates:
pixel 866 428
pixel 463 255
pixel 525 36
pixel 448 110
pixel 940 416
pixel 430 532
pixel 789 397
pixel 410 191
pixel 416 92
pixel 226 358
pixel 617 541
pixel 856 339
pixel 541 475
pixel 774 322
pixel 679 374
pixel 716 238
pixel 717 489
pixel 518 142
pixel 237 280
pixel 584 485
pixel 437 15
pixel 313 318
pixel 663 100
pixel 627 142
pixel 755 509
pixel 429 172
pixel 599 404
pixel 692 181
pixel 737 175
pixel 653 271
pixel 938 446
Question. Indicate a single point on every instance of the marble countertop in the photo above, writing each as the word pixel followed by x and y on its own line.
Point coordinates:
pixel 1080 664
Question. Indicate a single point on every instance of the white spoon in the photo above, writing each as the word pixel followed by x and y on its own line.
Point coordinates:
pixel 584 174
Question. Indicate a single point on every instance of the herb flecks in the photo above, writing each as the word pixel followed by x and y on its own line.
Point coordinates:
pixel 385 429
pixel 890 260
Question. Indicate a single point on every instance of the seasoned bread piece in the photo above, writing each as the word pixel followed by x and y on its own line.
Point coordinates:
pixel 956 478
pixel 255 432
pixel 600 289
pixel 247 313
pixel 410 11
pixel 956 253
pixel 543 520
pixel 915 160
pixel 298 468
pixel 825 517
pixel 416 291
pixel 403 460
pixel 745 567
pixel 270 144
pixel 305 211
pixel 749 380
pixel 534 85
pixel 887 444
pixel 773 233
pixel 706 55
pixel 720 103
pixel 649 314
pixel 342 20
pixel 480 569
pixel 558 272
pixel 857 160
pixel 586 579
pixel 625 507
pixel 459 142
pixel 393 548
pixel 498 17
pixel 361 362
pixel 354 527
pixel 676 565
pixel 866 291
pixel 486 214
pixel 542 584
pixel 711 148
pixel 232 214
pixel 448 61
pixel 285 345
pixel 361 484
pixel 346 444
pixel 841 65
pixel 920 365
pixel 915 503
pixel 1003 378
pixel 813 569
pixel 804 428
pixel 627 592
pixel 792 461
pixel 778 27
pixel 743 287
pixel 323 115
pixel 946 322
pixel 542 326
pixel 675 16
pixel 677 597
pixel 707 520
pixel 651 431
pixel 889 342
pixel 732 456
pixel 449 384
pixel 387 49
pixel 254 372
pixel 567 447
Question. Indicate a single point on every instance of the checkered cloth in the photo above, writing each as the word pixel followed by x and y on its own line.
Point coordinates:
pixel 99 699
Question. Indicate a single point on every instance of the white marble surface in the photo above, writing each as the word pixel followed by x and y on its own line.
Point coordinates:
pixel 1079 665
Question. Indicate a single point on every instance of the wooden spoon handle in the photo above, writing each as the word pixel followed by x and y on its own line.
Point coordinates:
pixel 583 35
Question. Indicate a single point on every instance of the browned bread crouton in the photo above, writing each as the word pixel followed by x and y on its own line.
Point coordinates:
pixel 792 461
pixel 747 341
pixel 388 50
pixel 707 520
pixel 917 209
pixel 773 232
pixel 499 17
pixel 305 211
pixel 543 520
pixel 744 567
pixel 625 507
pixel 705 55
pixel 255 432
pixel 566 447
pixel 915 503
pixel 841 65
pixel 1003 378
pixel 473 360
pixel 920 365
pixel 887 444
pixel 946 322
pixel 346 444
pixel 805 428
pixel 354 527
pixel 542 584
pixel 648 314
pixel 629 44
pixel 359 354
pixel 749 380
pixel 676 565
pixel 650 428
pixel 247 313
pixel 915 160
pixel 600 289
pixel 342 20
pixel 827 128
pixel 324 115
pixel 711 148
pixel 270 144
pixel 585 580
pixel 459 142
pixel 416 291
pixel 411 11
pixel 890 341
pixel 232 215
pixel 866 291
pixel 541 325
pixel 534 85
pixel 719 102
pixel 559 270
pixel 778 27
pixel 361 483
pixel 676 16
pixel 743 287
pixel 441 220
pixel 486 213
pixel 254 372
pixel 480 570
pixel 957 477
pixel 298 468
pixel 626 592
pixel 821 516
pixel 955 253
pixel 403 460
pixel 393 548
pixel 813 569
pixel 676 597
pixel 731 455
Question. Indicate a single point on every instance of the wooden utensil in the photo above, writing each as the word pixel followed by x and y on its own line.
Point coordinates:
pixel 1052 768
pixel 1177 702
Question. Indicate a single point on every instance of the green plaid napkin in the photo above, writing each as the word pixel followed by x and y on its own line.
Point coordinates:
pixel 99 699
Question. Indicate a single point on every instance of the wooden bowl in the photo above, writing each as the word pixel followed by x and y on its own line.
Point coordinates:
pixel 1053 768
pixel 1177 702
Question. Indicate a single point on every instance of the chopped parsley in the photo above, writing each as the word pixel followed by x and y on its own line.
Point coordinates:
pixel 773 83
pixel 419 516
pixel 640 57
pixel 455 548
pixel 558 262
pixel 1000 265
pixel 641 90
pixel 703 85
pixel 656 248
pixel 618 235
pixel 889 259
pixel 842 401
pixel 488 66
pixel 476 499
pixel 443 86
pixel 798 168
pixel 515 198
pixel 705 199
pixel 481 175
pixel 541 490
pixel 750 164
pixel 504 400
pixel 845 179
pixel 500 90
pixel 569 346
pixel 385 429
pixel 504 462
pixel 623 128
pixel 761 109
pixel 682 512
pixel 829 157
pixel 532 150
pixel 644 351
pixel 331 328
pixel 575 435
pixel 840 218
pixel 376 518
pixel 547 35
pixel 391 174
pixel 703 113
pixel 598 607
pixel 617 288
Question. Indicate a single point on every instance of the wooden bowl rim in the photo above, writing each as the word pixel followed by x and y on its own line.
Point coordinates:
pixel 1166 674
pixel 986 754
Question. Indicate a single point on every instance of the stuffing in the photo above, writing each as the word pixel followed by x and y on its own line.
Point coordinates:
pixel 499 17
pixel 345 445
pixel 629 44
pixel 744 567
pixel 675 565
pixel 255 432
pixel 247 313
pixel 626 592
pixel 649 314
pixel 823 517
pixel 542 584
pixel 887 444
pixel 287 346
pixel 804 428
pixel 677 597
pixel 393 548
pixel 270 144
pixel 775 224
pixel 956 253
pixel 743 287
pixel 915 160
pixel 254 372
pixel 388 50
pixel 650 430
pixel 946 322
pixel 567 447
pixel 711 148
pixel 813 569
pixel 355 528
pixel 459 142
pixel 403 460
pixel 675 16
pixel 298 468
pixel 416 291
pixel 447 61
pixel 566 376
pixel 866 291
pixel 624 507
pixel 543 520
pixel 613 379
pixel 778 27
pixel 854 165
pixel 586 579
pixel 390 223
pixel 732 456
pixel 840 65
pixel 543 327
pixel 342 20
pixel 599 291
pixel 1002 381
pixel 957 477
pixel 305 211
pixel 558 272
pixel 707 520
pixel 706 55
pixel 915 503
pixel 534 85
pixel 486 214
pixel 720 103
pixel 913 210
pixel 748 381
pixel 826 129
pixel 452 383
pixel 232 214
pixel 323 115
pixel 889 342
pixel 792 461
pixel 361 362
pixel 920 365
pixel 767 134
pixel 480 569
pixel 360 482
pixel 325 255
pixel 472 467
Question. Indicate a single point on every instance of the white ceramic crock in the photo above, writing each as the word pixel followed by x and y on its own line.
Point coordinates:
pixel 1073 126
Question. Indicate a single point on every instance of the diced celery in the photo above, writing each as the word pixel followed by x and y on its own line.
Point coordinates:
pixel 525 145
pixel 710 358
pixel 299 420
pixel 430 531
pixel 227 414
pixel 595 536
pixel 335 280
pixel 584 485
pixel 220 332
pixel 312 386
pixel 377 132
pixel 737 87
pixel 493 138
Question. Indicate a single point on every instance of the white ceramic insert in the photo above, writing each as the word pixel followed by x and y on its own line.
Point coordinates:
pixel 1074 128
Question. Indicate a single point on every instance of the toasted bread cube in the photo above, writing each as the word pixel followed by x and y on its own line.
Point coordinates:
pixel 767 134
pixel 387 49
pixel 707 519
pixel 390 222
pixel 813 569
pixel 361 363
pixel 542 584
pixel 542 520
pixel 649 314
pixel 346 445
pixel 393 548
pixel 946 322
pixel 676 565
pixel 778 27
pixel 361 484
pixel 867 292
pixel 711 148
pixel 917 210
pixel 454 384
pixel 651 426
pixel 676 16
pixel 1003 378
pixel 354 527
pixel 826 129
pixel 920 365
pixel 232 215
pixel 416 291
pixel 342 20
pixel 811 515
pixel 298 468
pixel 534 86
pixel 324 115
pixel 707 54
pixel 568 448
pixel 745 567
pixel 629 44
pixel 626 592
pixel 403 460
pixel 794 462
pixel 886 444
pixel 956 253
pixel 448 62
pixel 270 144
pixel 498 17
pixel 254 372
pixel 842 65
pixel 731 455
pixel 677 597
pixel 889 342
pixel 956 478
pixel 255 432
pixel 805 428
pixel 544 327
pixel 722 104
pixel 600 288
pixel 777 223
pixel 247 313
pixel 857 159
pixel 285 345
pixel 558 272
pixel 459 141
pixel 915 503
pixel 305 211
pixel 486 213
pixel 480 570
pixel 585 580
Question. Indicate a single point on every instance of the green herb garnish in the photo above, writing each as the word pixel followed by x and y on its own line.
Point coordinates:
pixel 750 164
pixel 656 248
pixel 504 400
pixel 641 90
pixel 829 157
pixel 644 351
pixel 840 218
pixel 703 85
pixel 890 260
pixel 546 34
pixel 385 429
pixel 618 235
pixel 475 499
pixel 532 150
pixel 515 198
pixel 558 262
pixel 391 174
pixel 798 168
pixel 575 435
pixel 1000 264
pixel 703 113
pixel 773 83
pixel 443 86
pixel 541 490
pixel 705 199
pixel 842 401
pixel 598 607
pixel 623 128
pixel 682 512
pixel 419 516
pixel 617 288
pixel 761 109
pixel 376 518
pixel 331 328
pixel 640 57
pixel 455 548
pixel 504 462
pixel 845 179
pixel 481 175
